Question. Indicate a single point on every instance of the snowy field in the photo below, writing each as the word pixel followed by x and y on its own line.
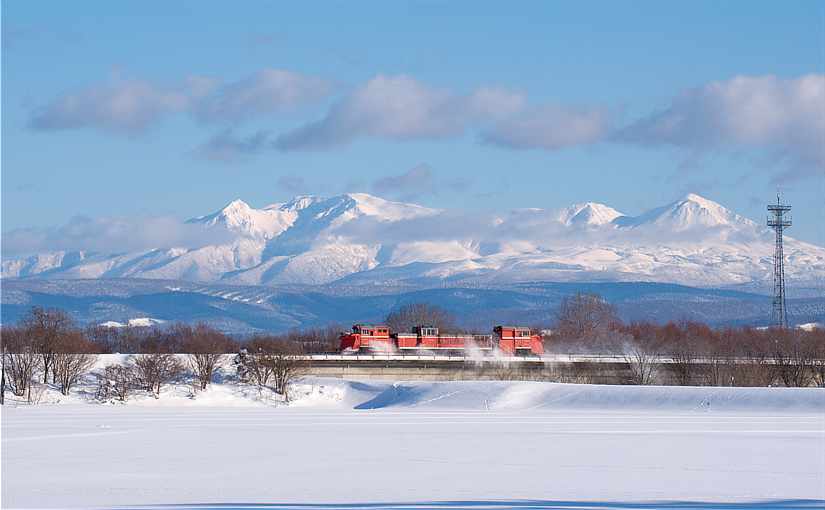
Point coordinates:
pixel 450 445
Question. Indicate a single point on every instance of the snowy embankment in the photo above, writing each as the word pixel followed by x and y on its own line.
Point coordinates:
pixel 331 393
pixel 524 396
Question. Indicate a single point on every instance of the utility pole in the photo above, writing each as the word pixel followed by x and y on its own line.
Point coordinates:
pixel 779 222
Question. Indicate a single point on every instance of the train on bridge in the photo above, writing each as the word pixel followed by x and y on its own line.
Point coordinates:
pixel 512 340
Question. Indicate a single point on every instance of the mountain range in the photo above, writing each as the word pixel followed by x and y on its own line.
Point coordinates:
pixel 361 240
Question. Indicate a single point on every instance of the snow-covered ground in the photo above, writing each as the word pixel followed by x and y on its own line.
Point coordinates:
pixel 384 444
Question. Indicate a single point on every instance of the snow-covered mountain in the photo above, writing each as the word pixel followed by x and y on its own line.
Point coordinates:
pixel 693 211
pixel 361 239
pixel 266 223
pixel 588 213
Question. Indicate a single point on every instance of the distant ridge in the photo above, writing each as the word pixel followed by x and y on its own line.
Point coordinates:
pixel 367 240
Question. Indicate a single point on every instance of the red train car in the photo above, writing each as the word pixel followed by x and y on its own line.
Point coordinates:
pixel 514 339
pixel 508 339
pixel 368 336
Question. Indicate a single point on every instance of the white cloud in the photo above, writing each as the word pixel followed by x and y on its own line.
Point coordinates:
pixel 413 183
pixel 266 92
pixel 402 108
pixel 131 106
pixel 394 107
pixel 122 106
pixel 226 147
pixel 783 115
pixel 550 128
pixel 496 103
pixel 112 235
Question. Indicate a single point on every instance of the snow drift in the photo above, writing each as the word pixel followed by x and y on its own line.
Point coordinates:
pixel 343 394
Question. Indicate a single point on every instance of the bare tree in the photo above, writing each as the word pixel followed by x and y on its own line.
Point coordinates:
pixel 287 364
pixel 686 343
pixel 117 380
pixel 254 367
pixel 20 360
pixel 719 358
pixel 792 358
pixel 206 347
pixel 815 342
pixel 640 355
pixel 104 339
pixel 72 358
pixel 152 371
pixel 2 367
pixel 684 353
pixel 47 327
pixel 585 321
pixel 750 363
pixel 406 317
pixel 318 340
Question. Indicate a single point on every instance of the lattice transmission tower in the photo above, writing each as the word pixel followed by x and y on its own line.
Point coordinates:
pixel 779 219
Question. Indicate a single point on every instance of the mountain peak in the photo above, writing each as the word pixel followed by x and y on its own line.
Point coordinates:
pixel 588 213
pixel 693 197
pixel 298 203
pixel 236 205
pixel 370 205
pixel 700 200
pixel 239 217
pixel 688 212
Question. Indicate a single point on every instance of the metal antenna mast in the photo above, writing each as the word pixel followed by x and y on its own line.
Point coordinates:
pixel 779 222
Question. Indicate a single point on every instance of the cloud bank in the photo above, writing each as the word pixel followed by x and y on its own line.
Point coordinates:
pixel 402 108
pixel 415 182
pixel 227 147
pixel 131 106
pixel 268 91
pixel 551 128
pixel 112 235
pixel 120 106
pixel 783 116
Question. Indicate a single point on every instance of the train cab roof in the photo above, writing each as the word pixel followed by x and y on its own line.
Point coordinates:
pixel 426 330
pixel 517 331
pixel 371 329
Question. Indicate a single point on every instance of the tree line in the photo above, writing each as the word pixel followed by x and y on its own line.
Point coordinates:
pixel 48 346
pixel 698 354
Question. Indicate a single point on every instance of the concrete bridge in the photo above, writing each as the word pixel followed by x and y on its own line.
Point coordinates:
pixel 561 368
pixel 571 368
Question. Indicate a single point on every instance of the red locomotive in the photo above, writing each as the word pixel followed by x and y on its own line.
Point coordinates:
pixel 507 339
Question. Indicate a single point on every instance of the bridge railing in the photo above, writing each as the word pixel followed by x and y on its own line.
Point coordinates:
pixel 546 358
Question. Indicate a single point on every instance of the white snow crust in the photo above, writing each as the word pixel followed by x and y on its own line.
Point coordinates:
pixel 395 443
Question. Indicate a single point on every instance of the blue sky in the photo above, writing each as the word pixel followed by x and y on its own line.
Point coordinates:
pixel 176 108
